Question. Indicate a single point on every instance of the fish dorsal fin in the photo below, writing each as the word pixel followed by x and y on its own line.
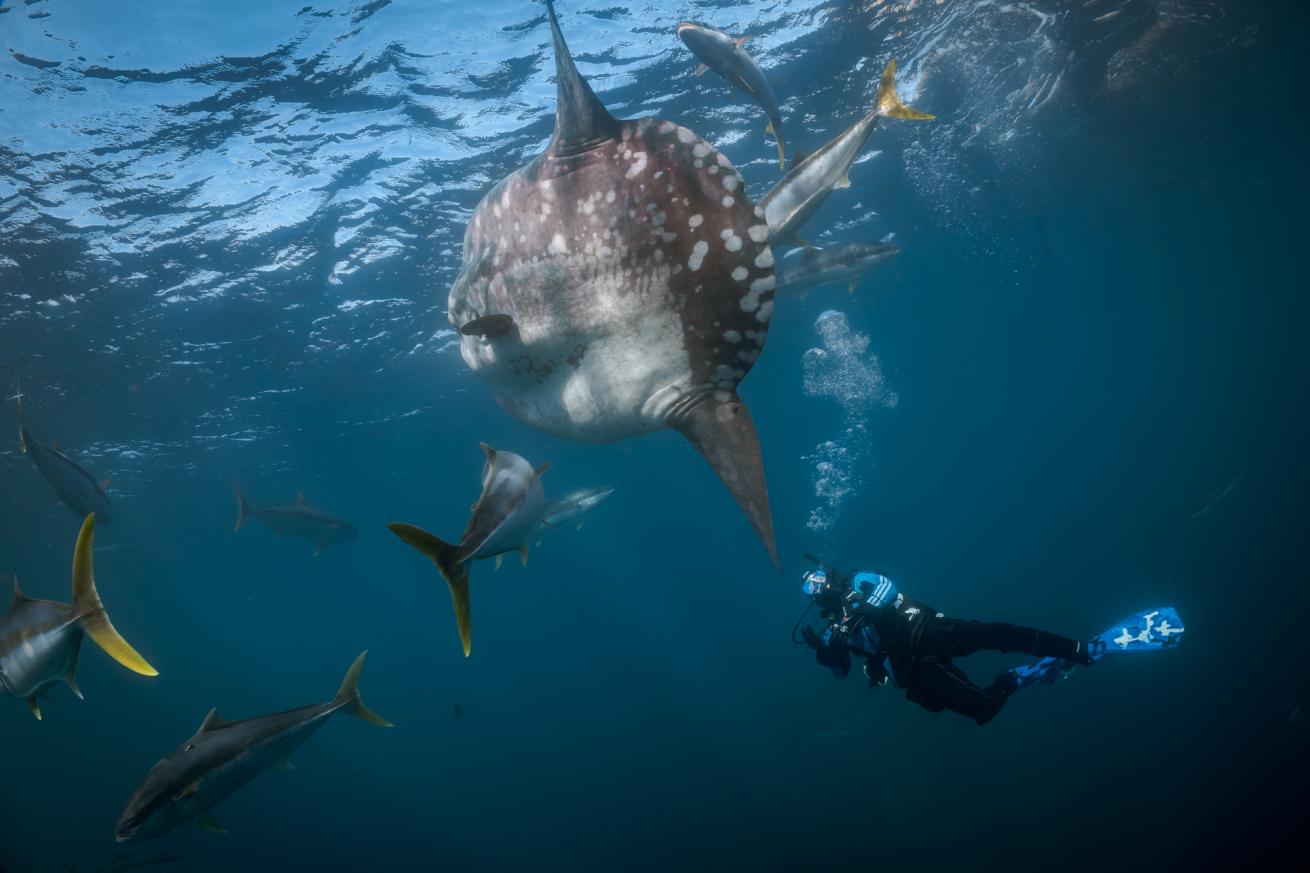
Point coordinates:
pixel 213 722
pixel 491 453
pixel 581 121
pixel 19 596
pixel 300 499
pixel 543 468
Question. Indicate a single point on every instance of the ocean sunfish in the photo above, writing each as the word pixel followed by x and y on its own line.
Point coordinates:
pixel 41 639
pixel 724 55
pixel 799 194
pixel 297 519
pixel 846 262
pixel 619 284
pixel 77 489
pixel 224 755
pixel 505 519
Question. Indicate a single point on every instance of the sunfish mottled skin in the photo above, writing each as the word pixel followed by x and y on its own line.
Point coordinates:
pixel 40 639
pixel 77 489
pixel 505 518
pixel 225 755
pixel 800 193
pixel 840 263
pixel 724 55
pixel 619 284
pixel 297 519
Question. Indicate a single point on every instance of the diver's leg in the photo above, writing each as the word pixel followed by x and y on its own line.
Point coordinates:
pixel 944 686
pixel 953 638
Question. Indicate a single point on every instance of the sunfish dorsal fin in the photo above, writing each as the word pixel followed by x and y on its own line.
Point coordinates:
pixel 724 434
pixel 581 121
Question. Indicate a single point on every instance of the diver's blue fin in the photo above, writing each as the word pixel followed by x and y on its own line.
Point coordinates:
pixel 1148 631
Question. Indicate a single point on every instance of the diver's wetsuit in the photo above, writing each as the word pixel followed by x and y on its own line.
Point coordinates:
pixel 913 644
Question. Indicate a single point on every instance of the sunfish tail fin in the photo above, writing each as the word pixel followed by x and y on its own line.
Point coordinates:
pixel 724 434
pixel 348 695
pixel 91 612
pixel 581 121
pixel 243 509
pixel 454 571
pixel 889 105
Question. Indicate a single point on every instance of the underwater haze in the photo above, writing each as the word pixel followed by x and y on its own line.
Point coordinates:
pixel 227 235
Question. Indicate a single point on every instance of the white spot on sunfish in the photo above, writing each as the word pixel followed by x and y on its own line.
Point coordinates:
pixel 700 149
pixel 695 221
pixel 557 245
pixel 732 336
pixel 698 164
pixel 730 181
pixel 698 253
pixel 638 166
pixel 758 232
pixel 766 311
pixel 685 135
pixel 764 260
pixel 728 201
pixel 739 274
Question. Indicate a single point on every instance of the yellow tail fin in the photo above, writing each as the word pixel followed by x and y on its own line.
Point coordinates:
pixel 91 612
pixel 889 105
pixel 349 699
pixel 456 573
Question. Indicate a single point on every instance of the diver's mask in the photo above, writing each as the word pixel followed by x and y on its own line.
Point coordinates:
pixel 814 582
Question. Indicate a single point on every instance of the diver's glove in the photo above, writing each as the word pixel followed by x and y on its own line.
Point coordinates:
pixel 811 638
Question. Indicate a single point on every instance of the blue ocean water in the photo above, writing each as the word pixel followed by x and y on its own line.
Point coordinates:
pixel 227 232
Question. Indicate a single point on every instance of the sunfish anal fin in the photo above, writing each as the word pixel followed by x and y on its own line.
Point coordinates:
pixel 724 434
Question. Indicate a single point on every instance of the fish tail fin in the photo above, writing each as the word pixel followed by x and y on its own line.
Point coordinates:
pixel 348 695
pixel 889 105
pixel 91 612
pixel 454 571
pixel 243 509
pixel 22 431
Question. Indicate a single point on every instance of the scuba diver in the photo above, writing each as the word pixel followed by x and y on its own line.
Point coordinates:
pixel 912 645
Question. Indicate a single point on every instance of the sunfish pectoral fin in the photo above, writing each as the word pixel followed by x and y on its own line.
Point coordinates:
pixel 724 434
pixel 489 327
pixel 349 700
pixel 889 105
pixel 581 121
pixel 91 612
pixel 453 570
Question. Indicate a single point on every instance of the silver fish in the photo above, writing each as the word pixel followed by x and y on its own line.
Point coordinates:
pixel 77 489
pixel 225 755
pixel 840 263
pixel 724 55
pixel 297 519
pixel 572 507
pixel 41 639
pixel 799 194
pixel 504 519
pixel 619 284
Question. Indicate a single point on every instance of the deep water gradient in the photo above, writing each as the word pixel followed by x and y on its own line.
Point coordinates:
pixel 226 235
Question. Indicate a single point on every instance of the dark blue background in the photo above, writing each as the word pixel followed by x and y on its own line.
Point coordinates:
pixel 1099 311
